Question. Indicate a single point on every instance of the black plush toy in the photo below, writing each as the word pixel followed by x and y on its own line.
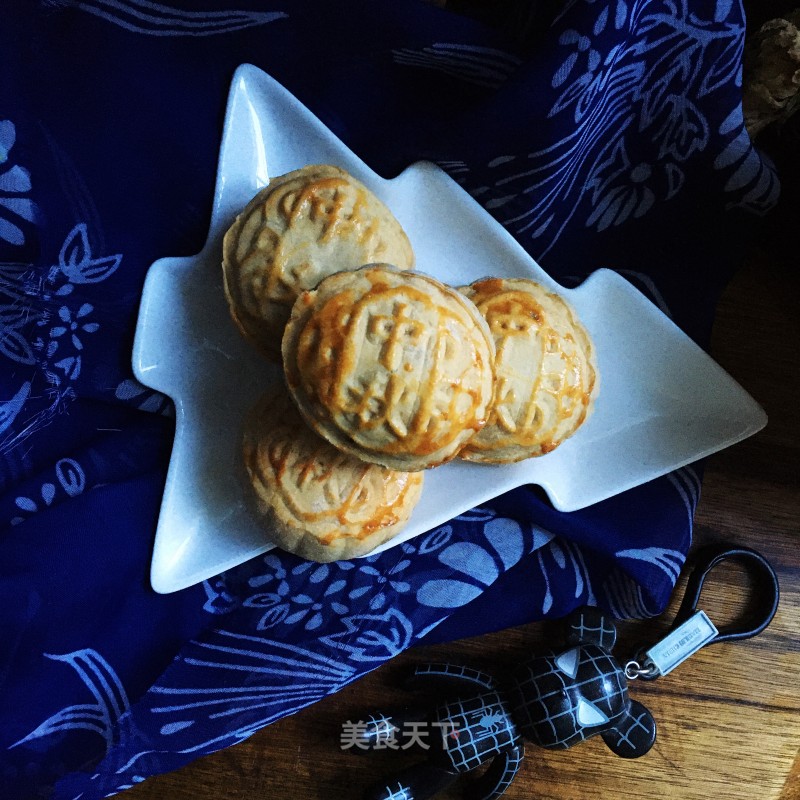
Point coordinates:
pixel 554 700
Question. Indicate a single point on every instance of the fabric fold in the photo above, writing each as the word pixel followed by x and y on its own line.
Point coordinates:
pixel 611 137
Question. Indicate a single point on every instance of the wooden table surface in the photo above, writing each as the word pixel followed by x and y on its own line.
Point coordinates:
pixel 728 721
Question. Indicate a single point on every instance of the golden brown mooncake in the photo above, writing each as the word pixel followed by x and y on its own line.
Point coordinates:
pixel 545 371
pixel 393 367
pixel 303 226
pixel 316 501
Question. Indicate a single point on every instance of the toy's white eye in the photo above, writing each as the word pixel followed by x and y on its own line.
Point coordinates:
pixel 589 714
pixel 568 662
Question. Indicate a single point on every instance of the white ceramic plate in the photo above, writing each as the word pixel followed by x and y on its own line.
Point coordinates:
pixel 663 402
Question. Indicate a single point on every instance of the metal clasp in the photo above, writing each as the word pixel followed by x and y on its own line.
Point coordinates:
pixel 692 629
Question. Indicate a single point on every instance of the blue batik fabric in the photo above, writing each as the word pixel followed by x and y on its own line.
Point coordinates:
pixel 611 136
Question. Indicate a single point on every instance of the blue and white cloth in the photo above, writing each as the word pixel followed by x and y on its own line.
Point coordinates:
pixel 611 136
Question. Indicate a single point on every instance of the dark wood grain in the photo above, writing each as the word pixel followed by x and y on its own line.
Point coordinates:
pixel 729 719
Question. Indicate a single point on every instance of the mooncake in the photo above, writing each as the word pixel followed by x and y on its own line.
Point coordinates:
pixel 545 371
pixel 390 366
pixel 303 226
pixel 314 500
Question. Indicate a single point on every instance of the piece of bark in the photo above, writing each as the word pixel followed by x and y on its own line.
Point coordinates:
pixel 771 89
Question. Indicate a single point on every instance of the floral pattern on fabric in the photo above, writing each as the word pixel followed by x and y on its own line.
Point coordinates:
pixel 627 111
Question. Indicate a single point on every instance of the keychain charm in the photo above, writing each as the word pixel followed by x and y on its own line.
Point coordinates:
pixel 556 699
pixel 683 642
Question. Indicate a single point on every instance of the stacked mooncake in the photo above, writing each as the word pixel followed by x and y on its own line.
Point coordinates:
pixel 388 371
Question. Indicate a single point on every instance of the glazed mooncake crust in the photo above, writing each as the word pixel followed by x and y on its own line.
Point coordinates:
pixel 545 371
pixel 301 227
pixel 314 500
pixel 393 367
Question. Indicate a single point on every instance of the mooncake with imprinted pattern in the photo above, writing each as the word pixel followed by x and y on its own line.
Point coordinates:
pixel 391 366
pixel 314 500
pixel 546 375
pixel 303 226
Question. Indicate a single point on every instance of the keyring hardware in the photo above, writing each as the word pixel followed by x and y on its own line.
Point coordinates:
pixel 692 629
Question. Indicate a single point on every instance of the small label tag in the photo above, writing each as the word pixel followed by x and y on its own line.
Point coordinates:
pixel 683 642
